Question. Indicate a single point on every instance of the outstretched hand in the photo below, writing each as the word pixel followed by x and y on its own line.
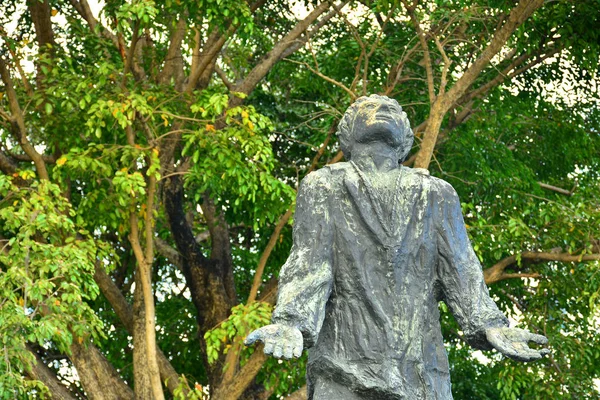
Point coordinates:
pixel 512 342
pixel 280 340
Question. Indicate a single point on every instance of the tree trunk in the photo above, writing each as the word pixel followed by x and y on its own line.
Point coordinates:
pixel 434 122
pixel 205 277
pixel 445 100
pixel 124 312
pixel 98 377
pixel 141 373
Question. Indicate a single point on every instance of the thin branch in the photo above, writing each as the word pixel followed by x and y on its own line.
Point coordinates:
pixel 313 31
pixel 267 252
pixel 517 16
pixel 352 95
pixel 557 189
pixel 168 252
pixel 533 275
pixel 24 157
pixel 447 63
pixel 426 55
pixel 18 123
pixel 230 85
pixel 444 103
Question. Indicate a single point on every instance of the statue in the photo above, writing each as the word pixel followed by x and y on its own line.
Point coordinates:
pixel 376 246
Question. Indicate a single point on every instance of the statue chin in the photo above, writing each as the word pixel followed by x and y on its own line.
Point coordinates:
pixel 382 131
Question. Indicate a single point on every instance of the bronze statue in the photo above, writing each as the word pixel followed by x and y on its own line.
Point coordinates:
pixel 376 246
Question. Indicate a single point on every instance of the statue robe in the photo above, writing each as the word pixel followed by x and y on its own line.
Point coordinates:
pixel 363 281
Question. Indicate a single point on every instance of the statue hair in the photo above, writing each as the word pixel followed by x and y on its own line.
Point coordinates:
pixel 345 129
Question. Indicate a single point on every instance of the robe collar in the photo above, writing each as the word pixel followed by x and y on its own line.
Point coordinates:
pixel 386 230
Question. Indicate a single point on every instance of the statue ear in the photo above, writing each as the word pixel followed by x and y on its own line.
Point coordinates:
pixel 345 138
pixel 407 143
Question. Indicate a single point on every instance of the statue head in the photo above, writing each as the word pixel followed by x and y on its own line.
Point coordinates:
pixel 375 118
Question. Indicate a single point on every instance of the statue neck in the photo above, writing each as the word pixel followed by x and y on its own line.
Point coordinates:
pixel 374 157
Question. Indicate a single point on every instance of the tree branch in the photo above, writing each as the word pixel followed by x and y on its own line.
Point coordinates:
pixel 144 267
pixel 447 63
pixel 443 103
pixel 168 252
pixel 18 123
pixel 7 165
pixel 311 32
pixel 497 272
pixel 300 394
pixel 244 377
pixel 83 8
pixel 39 371
pixel 224 78
pixel 557 189
pixel 214 44
pixel 173 63
pixel 517 16
pixel 220 246
pixel 40 15
pixel 265 65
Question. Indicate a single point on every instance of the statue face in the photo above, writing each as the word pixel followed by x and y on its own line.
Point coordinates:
pixel 378 120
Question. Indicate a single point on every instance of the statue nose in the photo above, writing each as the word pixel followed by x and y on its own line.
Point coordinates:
pixel 384 108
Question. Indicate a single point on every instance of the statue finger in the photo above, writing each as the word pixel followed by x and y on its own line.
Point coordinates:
pixel 539 339
pixel 278 351
pixel 297 351
pixel 544 352
pixel 524 353
pixel 530 355
pixel 269 346
pixel 253 337
pixel 288 351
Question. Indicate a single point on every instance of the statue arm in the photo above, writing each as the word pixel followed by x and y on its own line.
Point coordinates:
pixel 306 277
pixel 465 292
pixel 460 275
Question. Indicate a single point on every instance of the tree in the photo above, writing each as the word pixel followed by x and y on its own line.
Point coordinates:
pixel 152 151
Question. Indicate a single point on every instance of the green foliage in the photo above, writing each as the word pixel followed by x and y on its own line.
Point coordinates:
pixel 46 278
pixel 495 162
pixel 243 320
pixel 235 162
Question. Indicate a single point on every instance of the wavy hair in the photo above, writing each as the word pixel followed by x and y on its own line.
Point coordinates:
pixel 345 129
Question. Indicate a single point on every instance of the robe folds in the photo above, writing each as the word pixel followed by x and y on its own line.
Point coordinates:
pixel 365 275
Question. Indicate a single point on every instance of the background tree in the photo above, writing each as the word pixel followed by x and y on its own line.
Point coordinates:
pixel 151 154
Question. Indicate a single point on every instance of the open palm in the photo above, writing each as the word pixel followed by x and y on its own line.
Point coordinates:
pixel 280 340
pixel 512 342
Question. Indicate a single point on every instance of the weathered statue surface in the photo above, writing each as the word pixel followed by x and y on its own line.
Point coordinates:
pixel 376 246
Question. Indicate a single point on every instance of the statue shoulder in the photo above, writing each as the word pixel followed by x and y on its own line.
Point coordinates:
pixel 327 174
pixel 437 185
pixel 323 178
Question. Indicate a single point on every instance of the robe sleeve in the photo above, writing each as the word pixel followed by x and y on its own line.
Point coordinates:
pixel 305 280
pixel 460 275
